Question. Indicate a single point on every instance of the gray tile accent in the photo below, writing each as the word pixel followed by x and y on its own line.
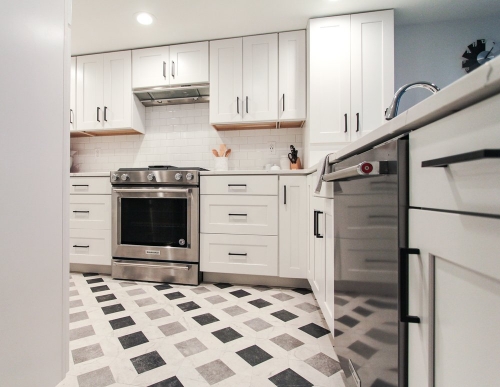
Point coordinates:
pixel 79 316
pixel 73 293
pixel 324 364
pixel 215 371
pixel 234 310
pixel 257 324
pixel 172 328
pixel 127 284
pixel 307 307
pixel 75 303
pixel 157 313
pixel 98 378
pixel 215 299
pixel 200 290
pixel 190 347
pixel 80 333
pixel 145 302
pixel 287 342
pixel 135 292
pixel 86 353
pixel 282 296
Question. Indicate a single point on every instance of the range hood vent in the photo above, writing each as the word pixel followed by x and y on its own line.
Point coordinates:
pixel 161 96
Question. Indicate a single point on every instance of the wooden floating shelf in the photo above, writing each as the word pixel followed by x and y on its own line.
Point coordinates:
pixel 260 125
pixel 96 133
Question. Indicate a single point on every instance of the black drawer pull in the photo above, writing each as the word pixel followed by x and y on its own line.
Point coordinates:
pixel 345 123
pixel 462 158
pixel 243 255
pixel 80 185
pixel 84 247
pixel 403 287
pixel 83 212
pixel 236 185
pixel 237 214
pixel 316 222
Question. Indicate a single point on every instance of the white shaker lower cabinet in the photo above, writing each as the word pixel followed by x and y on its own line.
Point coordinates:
pixel 90 220
pixel 454 288
pixel 293 227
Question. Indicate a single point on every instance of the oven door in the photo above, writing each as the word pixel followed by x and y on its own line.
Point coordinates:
pixel 156 223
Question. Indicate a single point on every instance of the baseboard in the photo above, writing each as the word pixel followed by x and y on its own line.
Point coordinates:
pixel 244 279
pixel 84 268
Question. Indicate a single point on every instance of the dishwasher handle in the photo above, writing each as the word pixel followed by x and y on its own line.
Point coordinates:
pixel 364 169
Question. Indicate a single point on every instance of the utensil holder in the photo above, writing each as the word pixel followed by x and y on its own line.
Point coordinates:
pixel 221 164
pixel 297 165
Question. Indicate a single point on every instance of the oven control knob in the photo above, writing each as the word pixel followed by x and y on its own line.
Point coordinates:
pixel 124 177
pixel 189 176
pixel 115 177
pixel 178 176
pixel 151 177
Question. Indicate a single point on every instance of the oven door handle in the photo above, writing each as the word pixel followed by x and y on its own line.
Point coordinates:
pixel 364 169
pixel 151 265
pixel 153 190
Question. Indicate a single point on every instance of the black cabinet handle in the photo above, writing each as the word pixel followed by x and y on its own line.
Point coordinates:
pixel 238 105
pixel 284 194
pixel 173 69
pixel 85 247
pixel 98 111
pixel 283 103
pixel 164 69
pixel 243 255
pixel 462 158
pixel 236 185
pixel 80 185
pixel 403 287
pixel 105 113
pixel 247 104
pixel 237 214
pixel 70 116
pixel 316 224
pixel 82 212
pixel 345 123
pixel 357 122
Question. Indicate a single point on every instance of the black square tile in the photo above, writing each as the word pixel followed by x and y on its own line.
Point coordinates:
pixel 101 288
pixel 121 322
pixel 348 320
pixel 240 293
pixel 163 287
pixel 362 311
pixel 337 332
pixel 89 274
pixel 106 297
pixel 339 301
pixel 381 304
pixel 259 303
pixel 314 330
pixel 302 291
pixel 147 362
pixel 383 336
pixel 362 349
pixel 113 308
pixel 204 319
pixel 133 340
pixel 226 335
pixel 223 286
pixel 288 378
pixel 254 355
pixel 95 280
pixel 382 383
pixel 174 295
pixel 187 306
pixel 170 382
pixel 284 315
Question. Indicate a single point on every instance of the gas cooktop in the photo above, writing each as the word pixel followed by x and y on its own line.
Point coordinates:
pixel 163 167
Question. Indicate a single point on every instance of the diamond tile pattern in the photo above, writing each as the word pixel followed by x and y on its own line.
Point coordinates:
pixel 168 335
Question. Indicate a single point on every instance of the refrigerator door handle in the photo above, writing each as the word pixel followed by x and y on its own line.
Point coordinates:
pixel 403 287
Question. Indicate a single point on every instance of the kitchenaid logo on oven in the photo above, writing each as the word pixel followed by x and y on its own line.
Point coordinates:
pixel 153 252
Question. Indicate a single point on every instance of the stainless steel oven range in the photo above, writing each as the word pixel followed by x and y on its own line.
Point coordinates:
pixel 155 224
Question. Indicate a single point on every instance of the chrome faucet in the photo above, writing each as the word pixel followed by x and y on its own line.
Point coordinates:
pixel 392 111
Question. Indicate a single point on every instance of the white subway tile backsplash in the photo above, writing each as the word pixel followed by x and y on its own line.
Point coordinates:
pixel 182 135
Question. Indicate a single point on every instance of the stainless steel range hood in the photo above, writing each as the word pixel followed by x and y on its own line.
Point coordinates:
pixel 161 96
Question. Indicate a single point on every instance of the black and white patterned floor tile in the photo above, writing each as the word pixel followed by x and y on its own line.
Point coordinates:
pixel 155 335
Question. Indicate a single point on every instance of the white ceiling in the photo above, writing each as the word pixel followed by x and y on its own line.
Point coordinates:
pixel 109 25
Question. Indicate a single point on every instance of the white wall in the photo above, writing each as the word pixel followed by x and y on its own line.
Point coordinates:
pixel 181 135
pixel 432 52
pixel 33 177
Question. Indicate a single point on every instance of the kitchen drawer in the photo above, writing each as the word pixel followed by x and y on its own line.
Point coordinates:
pixel 90 185
pixel 239 185
pixel 470 186
pixel 239 254
pixel 95 246
pixel 90 211
pixel 233 214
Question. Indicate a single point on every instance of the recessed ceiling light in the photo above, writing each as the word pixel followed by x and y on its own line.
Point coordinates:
pixel 144 18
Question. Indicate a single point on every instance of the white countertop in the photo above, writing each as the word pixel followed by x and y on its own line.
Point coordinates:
pixel 89 174
pixel 291 172
pixel 480 84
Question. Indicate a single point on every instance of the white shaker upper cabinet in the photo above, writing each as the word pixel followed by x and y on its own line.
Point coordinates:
pixel 89 88
pixel 72 96
pixel 260 78
pixel 150 67
pixel 372 70
pixel 292 75
pixel 329 79
pixel 189 63
pixel 226 80
pixel 118 96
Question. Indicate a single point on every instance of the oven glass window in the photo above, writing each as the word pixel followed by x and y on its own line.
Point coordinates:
pixel 154 222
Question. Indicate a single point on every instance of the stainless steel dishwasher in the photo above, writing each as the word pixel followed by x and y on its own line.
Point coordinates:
pixel 370 238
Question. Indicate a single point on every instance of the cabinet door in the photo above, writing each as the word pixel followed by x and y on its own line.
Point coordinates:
pixel 89 92
pixel 329 79
pixel 311 228
pixel 292 75
pixel 293 227
pixel 189 63
pixel 318 269
pixel 226 80
pixel 117 105
pixel 454 288
pixel 260 78
pixel 150 67
pixel 328 306
pixel 372 70
pixel 72 95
